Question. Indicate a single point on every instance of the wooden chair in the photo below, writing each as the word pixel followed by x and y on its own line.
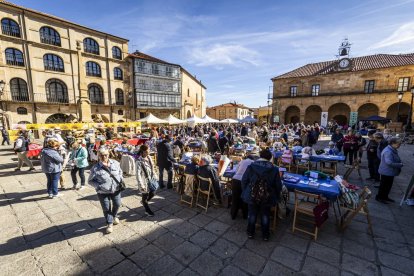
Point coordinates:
pixel 305 208
pixel 187 195
pixel 329 167
pixel 355 166
pixel 306 165
pixel 208 193
pixel 362 208
pixel 285 163
pixel 178 177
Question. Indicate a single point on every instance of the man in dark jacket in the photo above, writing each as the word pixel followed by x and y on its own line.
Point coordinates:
pixel 244 131
pixel 212 143
pixel 261 170
pixel 165 160
pixel 223 142
pixel 338 139
pixel 207 171
pixel 373 161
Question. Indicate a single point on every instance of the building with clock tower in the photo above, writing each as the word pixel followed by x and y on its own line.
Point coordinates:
pixel 345 89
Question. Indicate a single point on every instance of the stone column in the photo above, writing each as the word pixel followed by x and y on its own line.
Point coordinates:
pixel 84 104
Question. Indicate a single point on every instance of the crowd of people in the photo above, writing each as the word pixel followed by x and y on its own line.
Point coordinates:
pixel 165 146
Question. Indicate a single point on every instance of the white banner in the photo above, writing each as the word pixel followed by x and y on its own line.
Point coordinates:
pixel 324 119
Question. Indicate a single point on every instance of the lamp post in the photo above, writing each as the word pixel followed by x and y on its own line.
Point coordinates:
pixel 400 96
pixel 409 127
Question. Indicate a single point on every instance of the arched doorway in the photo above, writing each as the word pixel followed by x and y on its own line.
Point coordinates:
pixel 340 113
pixel 57 118
pixel 392 112
pixel 367 110
pixel 188 114
pixel 313 114
pixel 292 114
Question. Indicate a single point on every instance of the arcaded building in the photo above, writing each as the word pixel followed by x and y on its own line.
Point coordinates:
pixel 346 87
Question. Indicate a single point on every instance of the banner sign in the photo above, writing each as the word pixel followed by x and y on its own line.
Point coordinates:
pixel 324 119
pixel 74 126
pixel 353 118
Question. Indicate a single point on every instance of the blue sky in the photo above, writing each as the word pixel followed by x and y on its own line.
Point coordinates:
pixel 235 47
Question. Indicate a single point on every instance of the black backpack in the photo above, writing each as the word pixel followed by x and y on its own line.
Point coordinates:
pixel 260 192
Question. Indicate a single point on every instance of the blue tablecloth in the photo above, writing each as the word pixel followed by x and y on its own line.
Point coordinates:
pixel 313 158
pixel 331 192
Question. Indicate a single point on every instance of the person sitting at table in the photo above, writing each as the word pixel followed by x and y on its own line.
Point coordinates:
pixel 192 167
pixel 307 152
pixel 237 202
pixel 206 170
pixel 262 171
pixel 331 149
pixel 284 137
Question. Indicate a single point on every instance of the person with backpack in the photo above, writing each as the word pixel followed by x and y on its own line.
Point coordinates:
pixel 52 162
pixel 261 186
pixel 21 147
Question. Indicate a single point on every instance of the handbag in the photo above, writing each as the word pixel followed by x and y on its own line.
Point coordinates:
pixel 153 184
pixel 321 213
pixel 121 183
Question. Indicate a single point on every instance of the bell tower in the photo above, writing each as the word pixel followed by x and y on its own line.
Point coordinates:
pixel 344 49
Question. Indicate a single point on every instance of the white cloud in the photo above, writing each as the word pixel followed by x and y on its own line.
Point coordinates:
pixel 404 34
pixel 219 55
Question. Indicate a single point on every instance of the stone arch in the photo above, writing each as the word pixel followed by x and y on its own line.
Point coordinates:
pixel 366 110
pixel 340 113
pixel 292 114
pixel 188 114
pixel 313 114
pixel 392 112
pixel 57 118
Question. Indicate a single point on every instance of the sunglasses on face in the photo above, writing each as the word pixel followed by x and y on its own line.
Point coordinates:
pixel 104 154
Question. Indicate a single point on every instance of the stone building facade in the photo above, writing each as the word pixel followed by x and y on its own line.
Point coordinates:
pixel 229 111
pixel 368 85
pixel 56 70
pixel 164 88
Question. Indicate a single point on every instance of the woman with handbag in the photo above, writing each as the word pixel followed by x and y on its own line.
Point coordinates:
pixel 146 178
pixel 106 177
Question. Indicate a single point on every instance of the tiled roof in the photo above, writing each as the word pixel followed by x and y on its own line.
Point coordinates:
pixel 357 64
pixel 230 105
pixel 57 18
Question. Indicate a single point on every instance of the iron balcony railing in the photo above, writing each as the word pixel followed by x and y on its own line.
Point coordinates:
pixel 10 30
pixel 54 66
pixel 157 72
pixel 14 60
pixel 91 49
pixel 160 87
pixel 158 104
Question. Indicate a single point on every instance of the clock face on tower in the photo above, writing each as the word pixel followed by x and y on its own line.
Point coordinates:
pixel 344 63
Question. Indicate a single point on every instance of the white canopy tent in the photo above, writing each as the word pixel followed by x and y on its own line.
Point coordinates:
pixel 151 119
pixel 208 119
pixel 174 121
pixel 248 119
pixel 229 121
pixel 195 120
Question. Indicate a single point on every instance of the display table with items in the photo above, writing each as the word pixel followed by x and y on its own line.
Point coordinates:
pixel 34 150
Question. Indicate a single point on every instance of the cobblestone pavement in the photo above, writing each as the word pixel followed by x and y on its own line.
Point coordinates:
pixel 41 236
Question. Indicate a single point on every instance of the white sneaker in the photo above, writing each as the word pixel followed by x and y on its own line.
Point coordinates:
pixel 81 187
pixel 116 221
pixel 50 195
pixel 109 228
pixel 58 195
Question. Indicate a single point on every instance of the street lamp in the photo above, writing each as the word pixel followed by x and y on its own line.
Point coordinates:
pixel 409 127
pixel 400 96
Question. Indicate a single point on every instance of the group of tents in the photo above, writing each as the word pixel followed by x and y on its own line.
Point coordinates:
pixel 171 120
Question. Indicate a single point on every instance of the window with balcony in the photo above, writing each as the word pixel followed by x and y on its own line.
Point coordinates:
pixel 56 91
pixel 21 111
pixel 141 66
pixel 116 53
pixel 403 84
pixel 315 89
pixel 95 94
pixel 53 63
pixel 142 84
pixel 93 69
pixel 118 73
pixel 369 86
pixel 293 91
pixel 49 36
pixel 155 69
pixel 19 91
pixel 90 46
pixel 157 85
pixel 14 57
pixel 10 27
pixel 119 96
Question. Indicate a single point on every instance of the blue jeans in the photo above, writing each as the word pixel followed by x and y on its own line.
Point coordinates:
pixel 52 183
pixel 110 205
pixel 254 211
pixel 81 175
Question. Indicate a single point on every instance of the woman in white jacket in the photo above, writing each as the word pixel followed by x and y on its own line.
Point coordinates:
pixel 145 171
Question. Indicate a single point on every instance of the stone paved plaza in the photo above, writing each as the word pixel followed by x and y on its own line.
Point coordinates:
pixel 65 236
